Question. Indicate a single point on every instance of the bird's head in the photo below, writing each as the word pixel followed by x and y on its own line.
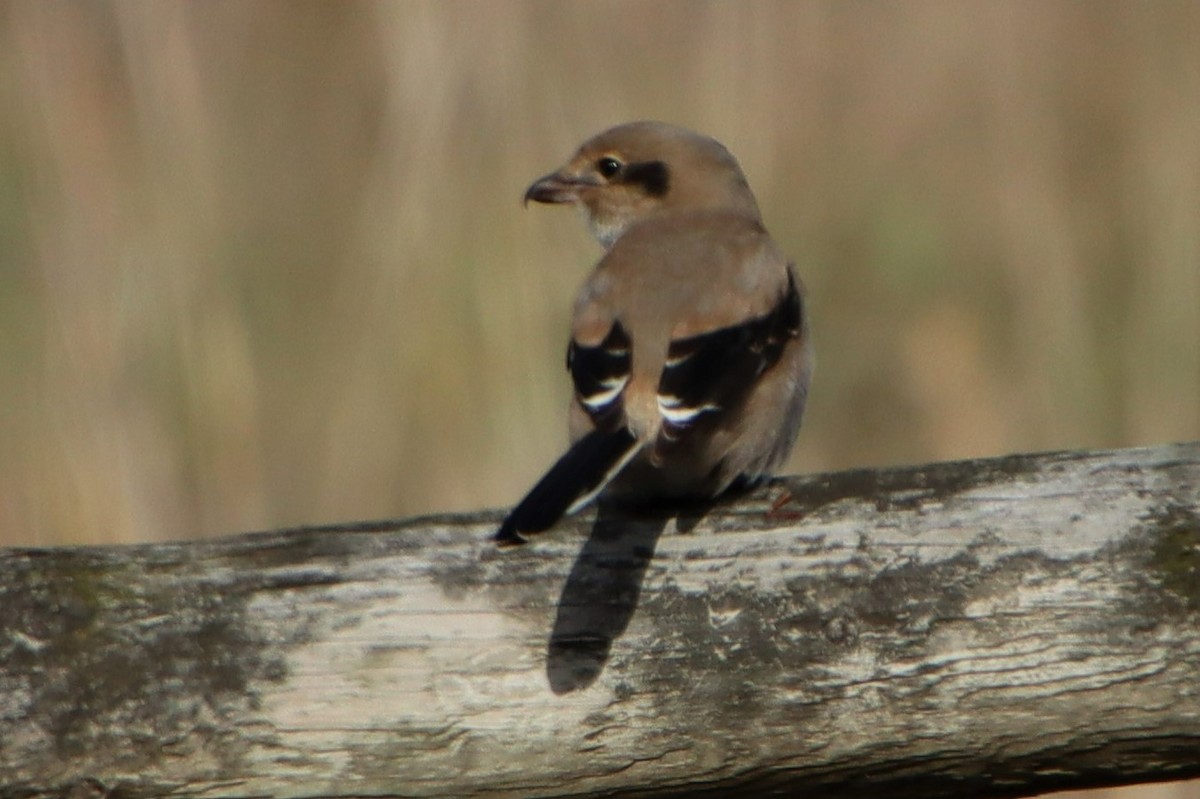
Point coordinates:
pixel 634 171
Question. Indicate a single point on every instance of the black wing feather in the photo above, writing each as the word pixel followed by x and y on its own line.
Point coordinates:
pixel 708 373
pixel 600 374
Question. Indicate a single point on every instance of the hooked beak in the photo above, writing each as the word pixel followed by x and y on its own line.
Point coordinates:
pixel 556 188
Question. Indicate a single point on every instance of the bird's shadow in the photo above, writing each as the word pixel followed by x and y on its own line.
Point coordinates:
pixel 602 591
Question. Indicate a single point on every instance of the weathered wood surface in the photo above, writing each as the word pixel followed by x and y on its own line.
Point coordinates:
pixel 981 628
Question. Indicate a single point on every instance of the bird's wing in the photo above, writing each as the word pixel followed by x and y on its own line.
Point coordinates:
pixel 707 374
pixel 600 374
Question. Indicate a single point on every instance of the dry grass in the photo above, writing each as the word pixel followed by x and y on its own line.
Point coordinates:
pixel 264 264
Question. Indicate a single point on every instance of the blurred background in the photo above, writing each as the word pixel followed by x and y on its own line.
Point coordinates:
pixel 265 264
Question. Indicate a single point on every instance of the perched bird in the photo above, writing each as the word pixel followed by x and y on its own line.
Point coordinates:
pixel 689 347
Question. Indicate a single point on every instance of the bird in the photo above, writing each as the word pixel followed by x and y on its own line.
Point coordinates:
pixel 690 351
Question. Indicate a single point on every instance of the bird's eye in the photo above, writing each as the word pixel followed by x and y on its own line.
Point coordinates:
pixel 608 166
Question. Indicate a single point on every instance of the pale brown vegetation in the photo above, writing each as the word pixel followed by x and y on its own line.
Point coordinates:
pixel 265 263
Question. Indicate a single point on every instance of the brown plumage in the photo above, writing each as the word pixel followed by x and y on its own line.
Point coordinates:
pixel 689 347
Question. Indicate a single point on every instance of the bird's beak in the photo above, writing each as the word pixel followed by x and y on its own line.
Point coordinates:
pixel 556 188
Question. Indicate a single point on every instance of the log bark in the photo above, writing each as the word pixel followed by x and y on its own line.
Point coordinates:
pixel 986 628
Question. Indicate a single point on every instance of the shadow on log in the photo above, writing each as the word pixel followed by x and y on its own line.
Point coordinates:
pixel 996 627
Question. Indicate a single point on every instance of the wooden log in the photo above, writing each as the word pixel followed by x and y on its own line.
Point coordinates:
pixel 987 628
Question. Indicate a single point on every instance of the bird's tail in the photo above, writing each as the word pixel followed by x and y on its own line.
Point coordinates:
pixel 571 483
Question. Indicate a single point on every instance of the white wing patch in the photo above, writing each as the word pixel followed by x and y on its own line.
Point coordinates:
pixel 674 411
pixel 612 388
pixel 673 361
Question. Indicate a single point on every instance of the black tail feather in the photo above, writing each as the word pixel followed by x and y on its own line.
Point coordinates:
pixel 575 479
